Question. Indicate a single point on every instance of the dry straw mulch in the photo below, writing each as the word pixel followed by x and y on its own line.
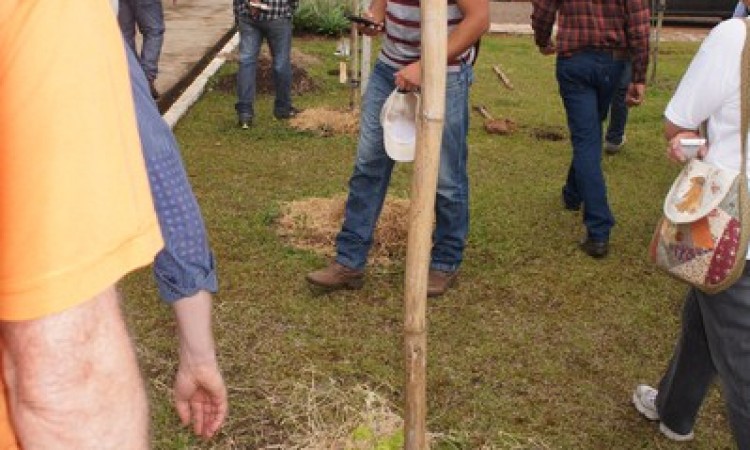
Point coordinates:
pixel 312 224
pixel 326 122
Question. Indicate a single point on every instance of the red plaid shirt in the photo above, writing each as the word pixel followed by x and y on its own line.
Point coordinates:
pixel 596 24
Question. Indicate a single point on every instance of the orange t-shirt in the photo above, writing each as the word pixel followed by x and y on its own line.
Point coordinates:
pixel 75 206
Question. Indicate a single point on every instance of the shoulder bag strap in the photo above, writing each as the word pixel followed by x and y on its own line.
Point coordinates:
pixel 744 96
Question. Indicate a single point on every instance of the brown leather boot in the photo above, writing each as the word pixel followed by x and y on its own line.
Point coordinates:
pixel 337 276
pixel 438 282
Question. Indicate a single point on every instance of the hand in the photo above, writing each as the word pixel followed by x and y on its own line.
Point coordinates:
pixel 549 49
pixel 371 30
pixel 200 398
pixel 674 149
pixel 635 95
pixel 410 77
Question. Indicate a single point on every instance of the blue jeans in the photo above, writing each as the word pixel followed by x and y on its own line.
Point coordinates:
pixel 373 167
pixel 278 33
pixel 148 15
pixel 618 110
pixel 715 340
pixel 185 265
pixel 587 81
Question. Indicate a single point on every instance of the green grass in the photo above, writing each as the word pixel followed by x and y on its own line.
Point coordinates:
pixel 538 347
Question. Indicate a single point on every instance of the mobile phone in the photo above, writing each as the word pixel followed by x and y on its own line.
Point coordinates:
pixel 690 147
pixel 362 21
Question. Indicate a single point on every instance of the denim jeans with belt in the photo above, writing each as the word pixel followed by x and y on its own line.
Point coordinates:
pixel 373 167
pixel 148 15
pixel 587 81
pixel 715 340
pixel 185 265
pixel 278 33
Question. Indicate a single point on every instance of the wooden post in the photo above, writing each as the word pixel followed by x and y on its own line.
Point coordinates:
pixel 354 66
pixel 661 6
pixel 421 215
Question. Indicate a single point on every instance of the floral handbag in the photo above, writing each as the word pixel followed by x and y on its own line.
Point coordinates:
pixel 702 238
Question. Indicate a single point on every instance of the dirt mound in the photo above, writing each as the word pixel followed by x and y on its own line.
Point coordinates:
pixel 312 224
pixel 301 81
pixel 326 122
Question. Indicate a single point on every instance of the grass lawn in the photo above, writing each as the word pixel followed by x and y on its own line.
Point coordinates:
pixel 538 347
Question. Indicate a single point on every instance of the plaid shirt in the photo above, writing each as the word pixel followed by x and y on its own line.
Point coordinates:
pixel 279 9
pixel 596 24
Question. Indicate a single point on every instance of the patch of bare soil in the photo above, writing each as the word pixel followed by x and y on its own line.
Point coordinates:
pixel 549 133
pixel 327 122
pixel 312 224
pixel 301 81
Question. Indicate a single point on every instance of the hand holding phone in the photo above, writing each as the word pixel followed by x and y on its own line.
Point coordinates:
pixel 364 21
pixel 690 147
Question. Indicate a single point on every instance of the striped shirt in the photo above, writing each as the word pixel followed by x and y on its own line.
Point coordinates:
pixel 618 25
pixel 403 40
pixel 278 9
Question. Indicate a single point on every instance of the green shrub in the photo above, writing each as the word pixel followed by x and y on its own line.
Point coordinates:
pixel 325 17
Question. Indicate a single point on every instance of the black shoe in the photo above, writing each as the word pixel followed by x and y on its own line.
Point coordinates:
pixel 245 122
pixel 567 205
pixel 595 249
pixel 293 112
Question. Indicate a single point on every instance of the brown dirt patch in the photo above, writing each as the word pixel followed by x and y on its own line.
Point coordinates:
pixel 312 224
pixel 301 81
pixel 549 133
pixel 327 122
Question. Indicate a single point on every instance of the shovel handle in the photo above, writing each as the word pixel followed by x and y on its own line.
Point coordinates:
pixel 484 112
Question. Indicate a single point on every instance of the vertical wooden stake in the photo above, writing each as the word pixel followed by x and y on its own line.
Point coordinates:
pixel 354 60
pixel 421 214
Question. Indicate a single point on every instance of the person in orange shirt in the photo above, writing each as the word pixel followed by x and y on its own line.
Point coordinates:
pixel 76 215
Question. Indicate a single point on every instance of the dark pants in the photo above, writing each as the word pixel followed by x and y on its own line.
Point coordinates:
pixel 715 340
pixel 587 81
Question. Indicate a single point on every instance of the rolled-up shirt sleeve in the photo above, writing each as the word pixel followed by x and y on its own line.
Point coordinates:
pixel 637 32
pixel 543 19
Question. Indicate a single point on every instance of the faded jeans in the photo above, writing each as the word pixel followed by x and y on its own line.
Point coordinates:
pixel 278 33
pixel 148 15
pixel 715 340
pixel 373 167
pixel 185 265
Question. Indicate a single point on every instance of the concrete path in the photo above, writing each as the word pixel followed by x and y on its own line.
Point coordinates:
pixel 195 31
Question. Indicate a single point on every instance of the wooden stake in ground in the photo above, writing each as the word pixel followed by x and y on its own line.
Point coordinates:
pixel 503 77
pixel 659 6
pixel 354 55
pixel 430 118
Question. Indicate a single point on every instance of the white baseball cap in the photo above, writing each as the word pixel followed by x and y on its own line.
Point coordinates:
pixel 398 118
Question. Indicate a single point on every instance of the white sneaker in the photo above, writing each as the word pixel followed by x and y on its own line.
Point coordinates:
pixel 611 148
pixel 644 400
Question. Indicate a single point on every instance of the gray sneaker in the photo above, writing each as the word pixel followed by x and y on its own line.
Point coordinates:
pixel 611 148
pixel 644 400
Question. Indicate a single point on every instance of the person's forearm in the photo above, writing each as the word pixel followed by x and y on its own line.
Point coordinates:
pixel 475 23
pixel 193 315
pixel 73 381
pixel 671 130
pixel 377 9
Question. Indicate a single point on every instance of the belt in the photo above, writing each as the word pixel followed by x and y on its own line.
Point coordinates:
pixel 617 54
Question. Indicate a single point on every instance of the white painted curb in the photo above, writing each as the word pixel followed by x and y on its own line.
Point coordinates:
pixel 194 91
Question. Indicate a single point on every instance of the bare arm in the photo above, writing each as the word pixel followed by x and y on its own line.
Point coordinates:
pixel 73 379
pixel 200 395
